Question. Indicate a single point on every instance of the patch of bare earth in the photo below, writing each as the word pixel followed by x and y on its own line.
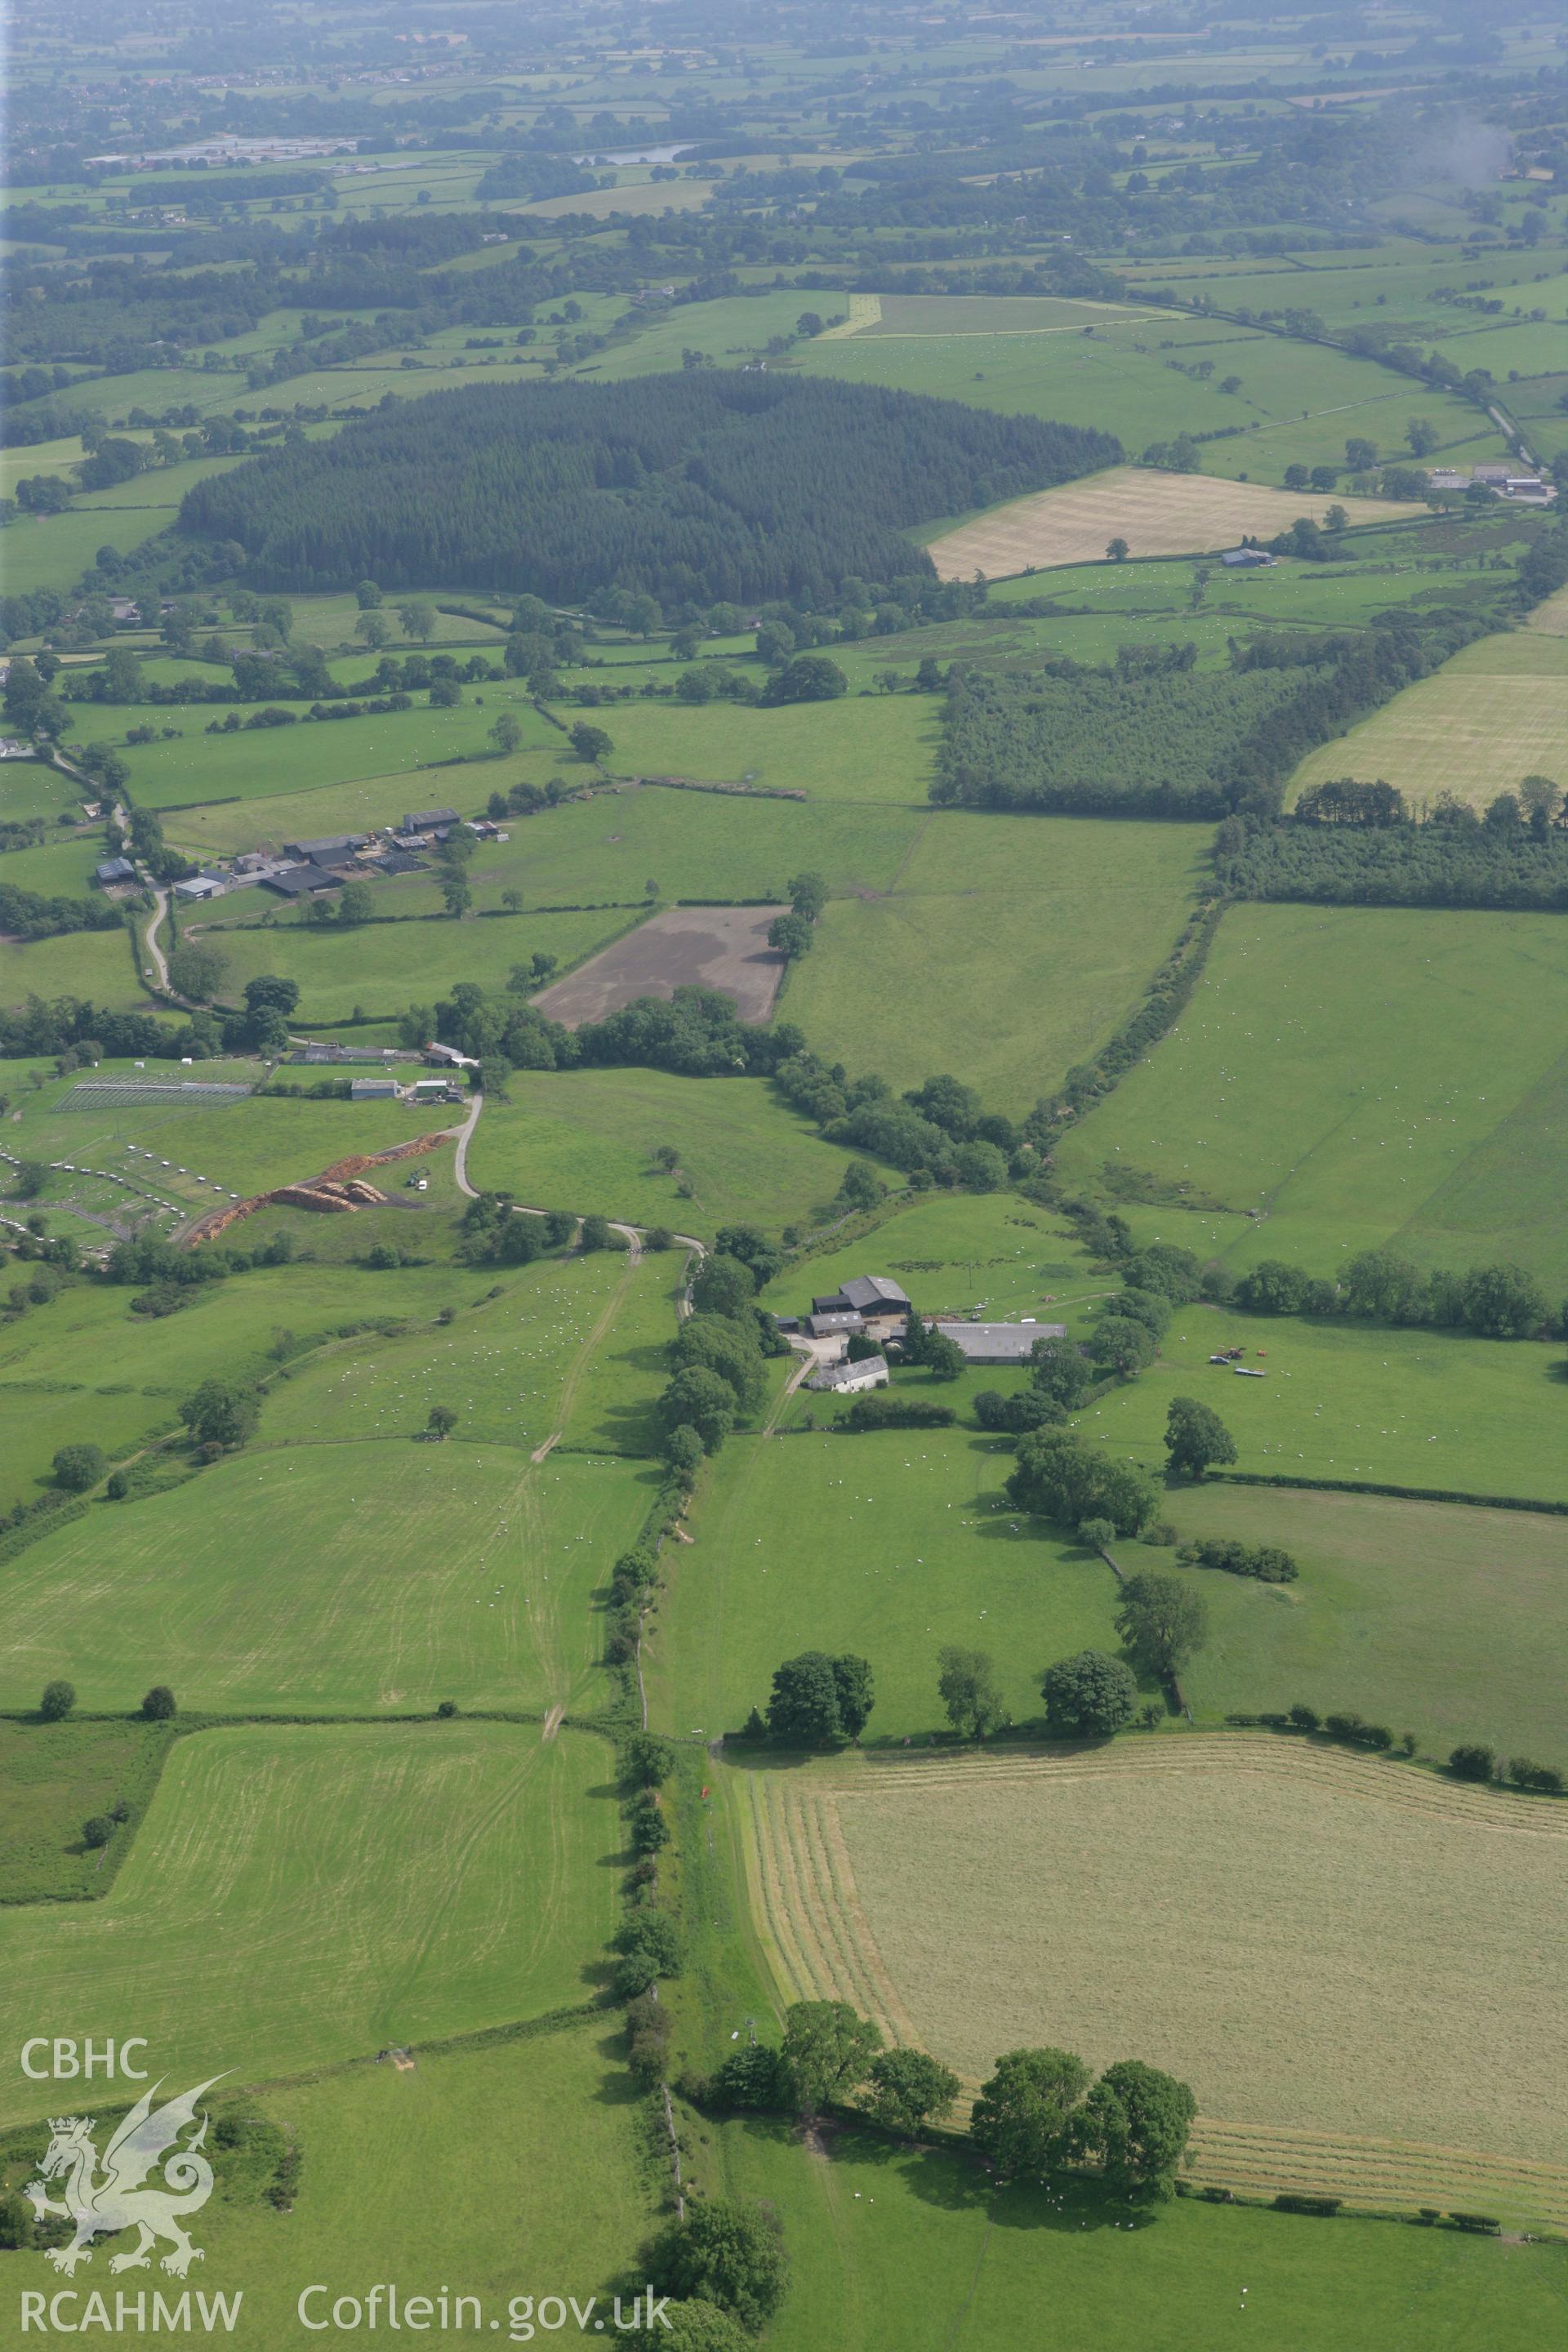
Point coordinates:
pixel 723 948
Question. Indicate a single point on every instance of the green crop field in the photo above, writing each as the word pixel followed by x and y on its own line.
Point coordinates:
pixel 1169 1892
pixel 1427 1616
pixel 1008 949
pixel 587 1138
pixel 98 965
pixel 889 1546
pixel 295 1896
pixel 1347 1078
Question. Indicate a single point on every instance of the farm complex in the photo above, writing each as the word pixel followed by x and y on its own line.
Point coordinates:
pixel 783 965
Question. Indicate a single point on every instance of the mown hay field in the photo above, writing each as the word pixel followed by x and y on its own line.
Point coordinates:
pixel 1432 1617
pixel 1317 1943
pixel 1473 729
pixel 300 1895
pixel 1156 514
pixel 1348 1079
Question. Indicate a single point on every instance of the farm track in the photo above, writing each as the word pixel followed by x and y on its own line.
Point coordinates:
pixel 821 1947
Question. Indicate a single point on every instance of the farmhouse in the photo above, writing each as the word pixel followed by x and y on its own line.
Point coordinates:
pixel 846 1379
pixel 998 1343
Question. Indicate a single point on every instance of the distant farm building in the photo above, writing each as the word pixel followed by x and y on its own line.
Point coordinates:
pixel 301 881
pixel 871 1295
pixel 998 1343
pixel 112 870
pixel 846 1379
pixel 1248 559
pixel 426 820
pixel 373 1089
pixel 200 886
pixel 328 843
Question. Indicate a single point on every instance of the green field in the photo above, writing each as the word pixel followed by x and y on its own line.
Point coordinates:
pixel 296 1896
pixel 389 2178
pixel 587 1138
pixel 55 1777
pixel 98 965
pixel 381 968
pixel 259 764
pixel 358 1575
pixel 1346 1078
pixel 1429 1617
pixel 1118 379
pixel 889 1546
pixel 882 749
pixel 956 1253
pixel 932 2261
pixel 1342 1401
pixel 1008 949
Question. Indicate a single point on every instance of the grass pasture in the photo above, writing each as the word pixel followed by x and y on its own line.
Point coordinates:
pixel 54 1777
pixel 586 1139
pixel 889 1546
pixel 895 2248
pixel 1006 950
pixel 1348 1079
pixel 1157 514
pixel 1323 1946
pixel 1346 1401
pixel 388 2172
pixel 882 748
pixel 354 1574
pixel 1447 1620
pixel 300 1896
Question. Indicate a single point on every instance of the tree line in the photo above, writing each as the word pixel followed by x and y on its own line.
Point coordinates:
pixel 1514 854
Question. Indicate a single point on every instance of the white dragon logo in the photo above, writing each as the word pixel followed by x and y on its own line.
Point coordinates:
pixel 118 2201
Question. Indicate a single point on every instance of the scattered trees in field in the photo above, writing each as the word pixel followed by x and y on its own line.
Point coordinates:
pixel 966 1684
pixel 97 1832
pixel 1021 2120
pixel 59 1698
pixel 820 1701
pixel 1267 1562
pixel 1196 1438
pixel 1056 1477
pixel 907 2090
pixel 1089 1696
pixel 1136 2121
pixel 79 1466
pixel 1162 1621
pixel 223 1412
pixel 442 1420
pixel 159 1705
pixel 725 2254
pixel 827 2051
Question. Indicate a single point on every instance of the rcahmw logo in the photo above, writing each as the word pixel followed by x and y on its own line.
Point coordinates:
pixel 149 2180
